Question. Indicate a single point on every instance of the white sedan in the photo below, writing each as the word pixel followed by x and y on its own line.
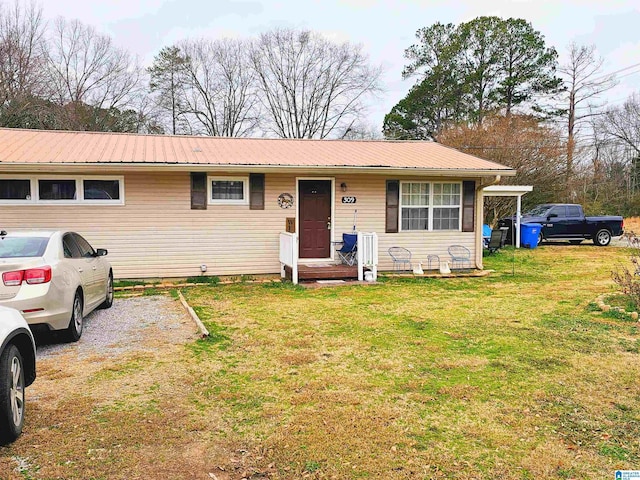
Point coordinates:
pixel 17 371
pixel 53 278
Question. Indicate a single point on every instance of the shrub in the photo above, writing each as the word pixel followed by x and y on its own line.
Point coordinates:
pixel 628 279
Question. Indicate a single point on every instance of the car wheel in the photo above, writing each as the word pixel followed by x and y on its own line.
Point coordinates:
pixel 11 394
pixel 108 301
pixel 602 238
pixel 74 330
pixel 540 238
pixel 575 242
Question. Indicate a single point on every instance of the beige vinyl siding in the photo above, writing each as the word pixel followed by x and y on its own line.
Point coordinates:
pixel 370 192
pixel 156 234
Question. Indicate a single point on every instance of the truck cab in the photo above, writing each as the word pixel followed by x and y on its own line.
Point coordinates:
pixel 566 221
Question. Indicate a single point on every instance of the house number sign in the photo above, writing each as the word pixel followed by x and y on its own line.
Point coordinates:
pixel 348 199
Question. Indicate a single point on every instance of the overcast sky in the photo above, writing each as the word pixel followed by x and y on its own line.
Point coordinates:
pixel 384 27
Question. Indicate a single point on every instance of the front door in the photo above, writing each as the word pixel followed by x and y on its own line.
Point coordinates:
pixel 315 218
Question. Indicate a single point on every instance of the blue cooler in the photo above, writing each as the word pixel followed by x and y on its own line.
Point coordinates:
pixel 529 234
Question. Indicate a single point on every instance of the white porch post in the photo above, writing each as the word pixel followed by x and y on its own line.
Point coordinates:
pixel 478 227
pixel 294 261
pixel 360 253
pixel 367 254
pixel 518 217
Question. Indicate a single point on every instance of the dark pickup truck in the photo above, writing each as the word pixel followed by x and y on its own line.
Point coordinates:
pixel 565 221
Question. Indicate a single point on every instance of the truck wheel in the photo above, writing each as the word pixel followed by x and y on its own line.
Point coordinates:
pixel 602 238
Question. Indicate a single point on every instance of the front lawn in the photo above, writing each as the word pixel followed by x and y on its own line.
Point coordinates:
pixel 512 376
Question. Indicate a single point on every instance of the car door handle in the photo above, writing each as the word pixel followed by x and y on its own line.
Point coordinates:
pixel 80 270
pixel 94 268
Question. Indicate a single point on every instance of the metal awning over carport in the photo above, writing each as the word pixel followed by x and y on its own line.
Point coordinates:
pixel 510 191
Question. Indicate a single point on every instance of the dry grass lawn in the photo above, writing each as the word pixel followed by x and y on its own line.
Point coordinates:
pixel 632 224
pixel 512 376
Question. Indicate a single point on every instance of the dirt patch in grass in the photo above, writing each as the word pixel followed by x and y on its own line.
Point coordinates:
pixel 114 412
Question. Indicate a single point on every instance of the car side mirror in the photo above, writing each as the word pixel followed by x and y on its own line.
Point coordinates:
pixel 101 252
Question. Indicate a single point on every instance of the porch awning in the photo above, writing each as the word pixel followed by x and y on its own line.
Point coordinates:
pixel 510 191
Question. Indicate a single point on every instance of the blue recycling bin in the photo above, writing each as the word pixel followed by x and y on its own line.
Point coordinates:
pixel 530 234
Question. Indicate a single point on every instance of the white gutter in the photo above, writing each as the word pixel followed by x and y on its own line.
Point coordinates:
pixel 480 217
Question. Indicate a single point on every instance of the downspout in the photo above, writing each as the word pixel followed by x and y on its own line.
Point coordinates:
pixel 480 216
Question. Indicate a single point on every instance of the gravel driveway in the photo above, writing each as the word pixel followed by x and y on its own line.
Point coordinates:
pixel 131 324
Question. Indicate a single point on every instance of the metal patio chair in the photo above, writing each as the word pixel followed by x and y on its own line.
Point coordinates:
pixel 497 240
pixel 401 258
pixel 348 254
pixel 460 257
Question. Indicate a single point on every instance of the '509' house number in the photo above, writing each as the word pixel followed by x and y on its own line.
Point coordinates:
pixel 348 199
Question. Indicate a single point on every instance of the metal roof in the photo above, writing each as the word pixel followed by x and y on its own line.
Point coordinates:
pixel 37 147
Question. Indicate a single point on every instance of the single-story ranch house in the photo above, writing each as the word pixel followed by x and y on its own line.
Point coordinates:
pixel 172 206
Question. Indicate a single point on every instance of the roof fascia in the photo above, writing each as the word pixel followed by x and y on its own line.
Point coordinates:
pixel 146 167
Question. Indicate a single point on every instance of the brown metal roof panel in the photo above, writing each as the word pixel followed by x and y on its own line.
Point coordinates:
pixel 28 146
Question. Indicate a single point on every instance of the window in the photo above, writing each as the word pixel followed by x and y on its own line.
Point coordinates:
pixel 57 189
pixel 101 189
pixel 446 206
pixel 69 247
pixel 558 211
pixel 573 211
pixel 229 190
pixel 430 206
pixel 86 250
pixel 54 190
pixel 17 247
pixel 15 189
pixel 415 206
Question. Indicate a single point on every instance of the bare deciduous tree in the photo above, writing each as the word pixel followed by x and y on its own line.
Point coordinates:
pixel 584 83
pixel 623 123
pixel 311 87
pixel 524 143
pixel 86 68
pixel 22 72
pixel 219 91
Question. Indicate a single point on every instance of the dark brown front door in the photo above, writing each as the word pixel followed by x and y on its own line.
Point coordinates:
pixel 315 218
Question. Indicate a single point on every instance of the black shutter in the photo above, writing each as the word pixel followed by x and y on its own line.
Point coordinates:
pixel 468 206
pixel 393 206
pixel 198 191
pixel 256 191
